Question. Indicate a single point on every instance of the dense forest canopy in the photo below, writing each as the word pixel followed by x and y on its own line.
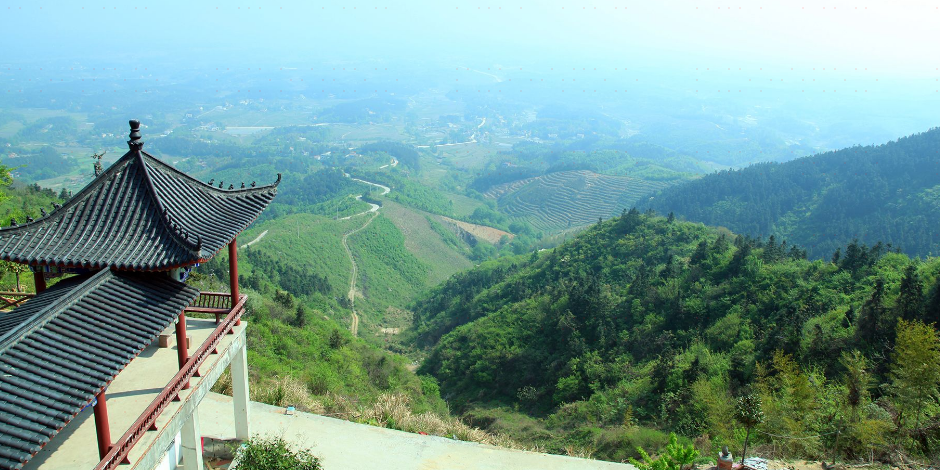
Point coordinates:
pixel 888 192
pixel 649 320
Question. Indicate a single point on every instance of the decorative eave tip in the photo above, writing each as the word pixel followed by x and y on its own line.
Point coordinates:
pixel 135 143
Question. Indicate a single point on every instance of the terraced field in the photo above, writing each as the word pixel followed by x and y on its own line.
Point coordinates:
pixel 567 199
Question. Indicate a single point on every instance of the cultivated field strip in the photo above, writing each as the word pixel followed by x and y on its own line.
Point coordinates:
pixel 561 200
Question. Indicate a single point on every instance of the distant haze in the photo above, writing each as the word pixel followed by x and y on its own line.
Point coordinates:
pixel 873 63
pixel 890 38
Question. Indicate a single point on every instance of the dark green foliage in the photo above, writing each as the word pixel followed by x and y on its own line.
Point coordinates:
pixel 274 453
pixel 337 340
pixel 664 322
pixel 300 316
pixel 18 200
pixel 44 163
pixel 298 281
pixel 284 298
pixel 318 187
pixel 406 154
pixel 410 192
pixel 909 304
pixel 884 192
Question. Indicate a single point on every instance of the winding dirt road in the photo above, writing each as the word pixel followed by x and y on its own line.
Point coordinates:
pixel 256 240
pixel 374 210
pixel 354 326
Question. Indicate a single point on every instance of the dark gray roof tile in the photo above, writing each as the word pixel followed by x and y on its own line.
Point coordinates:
pixel 53 361
pixel 140 214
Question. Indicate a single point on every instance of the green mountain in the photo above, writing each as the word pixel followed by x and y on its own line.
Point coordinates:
pixel 645 320
pixel 888 193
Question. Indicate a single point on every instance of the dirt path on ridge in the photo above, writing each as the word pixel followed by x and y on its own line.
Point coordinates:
pixel 354 326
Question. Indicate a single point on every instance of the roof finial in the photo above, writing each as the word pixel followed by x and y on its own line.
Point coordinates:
pixel 243 185
pixel 42 211
pixel 135 142
pixel 97 157
pixel 13 222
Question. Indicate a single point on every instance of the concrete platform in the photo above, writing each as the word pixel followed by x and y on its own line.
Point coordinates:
pixel 343 445
pixel 131 392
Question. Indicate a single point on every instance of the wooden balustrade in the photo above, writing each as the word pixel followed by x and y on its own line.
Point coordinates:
pixel 147 421
pixel 217 303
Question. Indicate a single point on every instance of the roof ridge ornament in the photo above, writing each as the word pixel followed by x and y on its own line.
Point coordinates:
pixel 135 143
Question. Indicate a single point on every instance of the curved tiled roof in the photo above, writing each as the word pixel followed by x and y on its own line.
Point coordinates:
pixel 140 214
pixel 61 348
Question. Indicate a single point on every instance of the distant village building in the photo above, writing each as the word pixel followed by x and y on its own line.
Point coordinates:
pixel 127 241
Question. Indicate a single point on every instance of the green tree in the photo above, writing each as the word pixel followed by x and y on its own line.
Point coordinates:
pixel 915 372
pixel 300 316
pixel 857 380
pixel 910 300
pixel 337 340
pixel 15 268
pixel 868 331
pixel 749 414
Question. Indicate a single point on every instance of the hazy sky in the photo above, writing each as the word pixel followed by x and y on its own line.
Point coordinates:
pixel 889 38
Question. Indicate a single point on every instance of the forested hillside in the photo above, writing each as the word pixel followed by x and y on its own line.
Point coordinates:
pixel 652 322
pixel 888 193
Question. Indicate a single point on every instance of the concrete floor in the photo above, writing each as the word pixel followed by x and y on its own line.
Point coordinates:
pixel 343 445
pixel 76 446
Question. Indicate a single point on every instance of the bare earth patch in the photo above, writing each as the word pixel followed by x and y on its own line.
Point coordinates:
pixel 490 234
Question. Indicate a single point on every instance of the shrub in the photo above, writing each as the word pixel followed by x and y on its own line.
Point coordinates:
pixel 674 457
pixel 274 453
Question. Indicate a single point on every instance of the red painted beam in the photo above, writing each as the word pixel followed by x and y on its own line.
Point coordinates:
pixel 120 451
pixel 182 344
pixel 40 280
pixel 233 273
pixel 102 426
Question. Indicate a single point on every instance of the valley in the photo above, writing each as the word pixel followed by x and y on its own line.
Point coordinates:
pixel 544 278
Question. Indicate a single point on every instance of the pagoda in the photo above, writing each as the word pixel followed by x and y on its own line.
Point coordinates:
pixel 127 241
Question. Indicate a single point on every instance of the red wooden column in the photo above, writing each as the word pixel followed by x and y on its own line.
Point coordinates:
pixel 39 279
pixel 233 273
pixel 182 344
pixel 102 426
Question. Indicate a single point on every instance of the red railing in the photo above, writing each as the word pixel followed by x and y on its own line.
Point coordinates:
pixel 216 303
pixel 213 300
pixel 147 421
pixel 14 299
